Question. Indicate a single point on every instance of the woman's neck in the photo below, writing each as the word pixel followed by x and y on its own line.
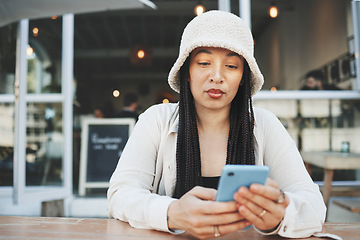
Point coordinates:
pixel 207 119
pixel 213 130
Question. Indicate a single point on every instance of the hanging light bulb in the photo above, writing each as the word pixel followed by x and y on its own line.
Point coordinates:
pixel 273 11
pixel 199 9
pixel 35 31
pixel 141 54
pixel 116 93
pixel 29 51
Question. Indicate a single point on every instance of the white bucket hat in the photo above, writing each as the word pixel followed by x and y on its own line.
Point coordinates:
pixel 217 29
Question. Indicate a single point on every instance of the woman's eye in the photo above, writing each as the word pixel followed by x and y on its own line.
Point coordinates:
pixel 204 63
pixel 232 66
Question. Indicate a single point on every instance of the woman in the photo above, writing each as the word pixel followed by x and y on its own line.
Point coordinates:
pixel 167 175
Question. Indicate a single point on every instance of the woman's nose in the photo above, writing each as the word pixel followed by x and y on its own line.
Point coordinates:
pixel 217 75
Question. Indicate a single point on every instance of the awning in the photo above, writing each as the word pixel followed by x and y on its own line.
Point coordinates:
pixel 15 10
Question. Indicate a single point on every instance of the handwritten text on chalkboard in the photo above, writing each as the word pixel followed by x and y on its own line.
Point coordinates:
pixel 108 143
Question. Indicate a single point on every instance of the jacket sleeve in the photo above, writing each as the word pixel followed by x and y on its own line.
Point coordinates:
pixel 306 211
pixel 131 196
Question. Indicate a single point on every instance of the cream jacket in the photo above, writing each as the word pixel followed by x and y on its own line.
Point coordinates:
pixel 143 182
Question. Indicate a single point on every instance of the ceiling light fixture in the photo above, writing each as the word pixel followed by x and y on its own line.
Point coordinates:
pixel 273 11
pixel 29 51
pixel 141 54
pixel 35 31
pixel 116 93
pixel 199 9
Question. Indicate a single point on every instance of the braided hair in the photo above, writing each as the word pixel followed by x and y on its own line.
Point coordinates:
pixel 240 147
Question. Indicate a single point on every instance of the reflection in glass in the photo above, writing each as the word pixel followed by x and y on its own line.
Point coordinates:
pixel 44 56
pixel 7 58
pixel 6 144
pixel 44 146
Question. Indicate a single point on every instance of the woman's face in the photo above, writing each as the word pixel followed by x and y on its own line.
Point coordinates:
pixel 215 75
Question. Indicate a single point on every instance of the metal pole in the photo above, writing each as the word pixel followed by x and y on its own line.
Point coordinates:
pixel 20 111
pixel 356 20
pixel 224 5
pixel 67 83
pixel 245 11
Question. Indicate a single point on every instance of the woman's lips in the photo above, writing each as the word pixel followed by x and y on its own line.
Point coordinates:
pixel 215 93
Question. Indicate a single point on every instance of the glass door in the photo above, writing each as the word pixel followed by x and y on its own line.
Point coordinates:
pixel 40 168
pixel 7 108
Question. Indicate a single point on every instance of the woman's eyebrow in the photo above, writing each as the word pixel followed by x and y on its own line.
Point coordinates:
pixel 203 51
pixel 232 54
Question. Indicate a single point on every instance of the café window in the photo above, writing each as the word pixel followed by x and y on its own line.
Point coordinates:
pixel 44 56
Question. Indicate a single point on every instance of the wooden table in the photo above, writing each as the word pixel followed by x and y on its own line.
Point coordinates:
pixel 331 161
pixel 82 228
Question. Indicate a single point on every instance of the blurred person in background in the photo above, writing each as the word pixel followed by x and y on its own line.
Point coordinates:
pixel 98 112
pixel 130 107
pixel 314 80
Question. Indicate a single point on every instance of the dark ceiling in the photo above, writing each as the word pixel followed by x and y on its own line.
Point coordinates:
pixel 104 41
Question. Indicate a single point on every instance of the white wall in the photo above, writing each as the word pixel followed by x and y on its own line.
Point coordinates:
pixel 7 207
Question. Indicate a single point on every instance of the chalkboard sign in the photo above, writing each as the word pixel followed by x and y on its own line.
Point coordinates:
pixel 102 143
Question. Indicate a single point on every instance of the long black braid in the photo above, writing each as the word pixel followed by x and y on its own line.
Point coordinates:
pixel 240 147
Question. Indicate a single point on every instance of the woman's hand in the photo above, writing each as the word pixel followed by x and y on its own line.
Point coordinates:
pixel 262 205
pixel 198 214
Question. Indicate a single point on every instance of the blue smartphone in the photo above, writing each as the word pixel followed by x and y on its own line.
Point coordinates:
pixel 235 176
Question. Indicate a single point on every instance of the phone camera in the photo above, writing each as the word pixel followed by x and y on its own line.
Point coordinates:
pixel 230 174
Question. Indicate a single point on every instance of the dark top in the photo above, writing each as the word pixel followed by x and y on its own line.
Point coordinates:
pixel 210 182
